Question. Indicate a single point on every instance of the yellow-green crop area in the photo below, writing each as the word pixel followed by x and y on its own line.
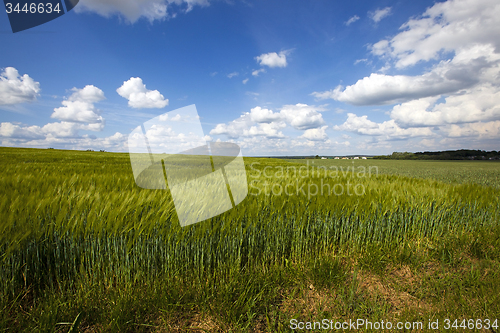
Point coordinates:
pixel 85 249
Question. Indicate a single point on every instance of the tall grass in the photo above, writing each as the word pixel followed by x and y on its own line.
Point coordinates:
pixel 67 216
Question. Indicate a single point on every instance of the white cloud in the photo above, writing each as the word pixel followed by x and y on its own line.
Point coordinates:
pixel 455 102
pixel 132 10
pixel 89 93
pixel 139 97
pixel 445 27
pixel 79 107
pixel 468 28
pixel 352 20
pixel 315 134
pixel 388 129
pixel 479 130
pixel 9 130
pixel 271 130
pixel 258 71
pixel 384 68
pixel 61 129
pixel 244 81
pixel 264 122
pixel 257 122
pixel 273 59
pixel 233 74
pixel 16 89
pixel 159 134
pixel 302 116
pixel 379 14
pixel 62 136
pixel 378 89
pixel 260 115
pixel 442 128
pixel 479 104
pixel 360 60
pixel 478 64
pixel 77 113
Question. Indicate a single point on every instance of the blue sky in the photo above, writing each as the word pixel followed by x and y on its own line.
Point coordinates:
pixel 276 77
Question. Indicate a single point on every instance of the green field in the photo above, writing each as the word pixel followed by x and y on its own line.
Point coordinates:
pixel 85 249
pixel 452 172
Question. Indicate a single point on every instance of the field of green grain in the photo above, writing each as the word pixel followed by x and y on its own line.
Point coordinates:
pixel 451 172
pixel 84 249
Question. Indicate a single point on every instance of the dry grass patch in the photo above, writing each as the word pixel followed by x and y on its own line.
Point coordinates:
pixel 390 289
pixel 309 302
pixel 197 322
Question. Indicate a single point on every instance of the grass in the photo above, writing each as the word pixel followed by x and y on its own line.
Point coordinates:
pixel 84 248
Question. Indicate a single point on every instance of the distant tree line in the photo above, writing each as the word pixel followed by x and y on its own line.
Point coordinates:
pixel 463 154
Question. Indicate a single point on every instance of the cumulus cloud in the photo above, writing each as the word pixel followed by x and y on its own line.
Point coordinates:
pixel 139 97
pixel 167 138
pixel 446 134
pixel 260 115
pixel 302 116
pixel 78 113
pixel 273 59
pixel 388 129
pixel 264 122
pixel 233 74
pixel 271 130
pixel 479 130
pixel 132 10
pixel 352 20
pixel 79 107
pixel 477 105
pixel 61 129
pixel 257 122
pixel 447 26
pixel 471 66
pixel 378 89
pixel 379 14
pixel 315 134
pixel 244 81
pixel 10 130
pixel 455 101
pixel 245 126
pixel 467 30
pixel 61 135
pixel 16 89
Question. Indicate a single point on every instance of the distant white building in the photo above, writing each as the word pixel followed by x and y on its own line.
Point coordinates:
pixel 337 158
pixel 323 158
pixel 356 158
pixel 363 158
